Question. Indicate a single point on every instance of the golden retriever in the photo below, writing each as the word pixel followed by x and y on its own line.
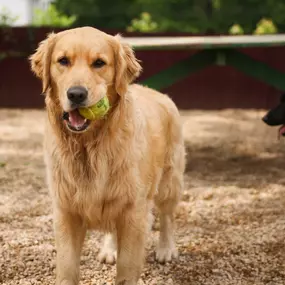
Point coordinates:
pixel 105 174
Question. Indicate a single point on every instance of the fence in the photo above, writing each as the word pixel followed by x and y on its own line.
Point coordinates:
pixel 197 72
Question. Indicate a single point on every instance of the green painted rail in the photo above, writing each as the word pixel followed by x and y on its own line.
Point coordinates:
pixel 212 50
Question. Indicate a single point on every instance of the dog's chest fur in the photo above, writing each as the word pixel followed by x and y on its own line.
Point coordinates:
pixel 100 180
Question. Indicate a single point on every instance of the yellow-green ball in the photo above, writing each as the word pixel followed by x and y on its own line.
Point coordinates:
pixel 97 111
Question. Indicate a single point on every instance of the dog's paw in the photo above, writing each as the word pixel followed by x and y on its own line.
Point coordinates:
pixel 107 255
pixel 166 254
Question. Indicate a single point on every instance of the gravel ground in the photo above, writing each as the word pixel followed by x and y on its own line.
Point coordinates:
pixel 230 224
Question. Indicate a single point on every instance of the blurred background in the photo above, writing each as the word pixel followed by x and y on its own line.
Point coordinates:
pixel 229 72
pixel 190 16
pixel 232 76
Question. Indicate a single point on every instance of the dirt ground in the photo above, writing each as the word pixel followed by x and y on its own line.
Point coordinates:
pixel 230 224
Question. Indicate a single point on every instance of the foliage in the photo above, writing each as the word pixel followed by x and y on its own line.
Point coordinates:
pixel 143 24
pixel 108 14
pixel 265 26
pixel 179 15
pixel 194 16
pixel 236 30
pixel 6 18
pixel 51 17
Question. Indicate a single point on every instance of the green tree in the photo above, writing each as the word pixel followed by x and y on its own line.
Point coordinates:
pixel 143 24
pixel 195 16
pixel 236 30
pixel 6 18
pixel 51 17
pixel 265 26
pixel 247 13
pixel 192 16
pixel 101 13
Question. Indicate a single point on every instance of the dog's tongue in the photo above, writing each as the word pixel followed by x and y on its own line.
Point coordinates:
pixel 282 130
pixel 75 119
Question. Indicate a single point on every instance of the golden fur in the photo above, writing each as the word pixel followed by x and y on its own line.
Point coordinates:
pixel 107 177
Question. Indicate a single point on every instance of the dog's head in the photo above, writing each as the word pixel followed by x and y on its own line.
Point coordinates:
pixel 78 67
pixel 276 116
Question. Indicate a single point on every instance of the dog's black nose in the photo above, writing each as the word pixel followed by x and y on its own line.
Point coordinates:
pixel 77 94
pixel 265 119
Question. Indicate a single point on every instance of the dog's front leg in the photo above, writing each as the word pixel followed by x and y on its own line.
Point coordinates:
pixel 69 237
pixel 131 237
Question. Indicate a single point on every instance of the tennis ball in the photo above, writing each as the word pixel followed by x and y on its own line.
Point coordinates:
pixel 97 111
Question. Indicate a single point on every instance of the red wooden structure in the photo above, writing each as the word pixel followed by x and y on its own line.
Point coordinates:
pixel 199 74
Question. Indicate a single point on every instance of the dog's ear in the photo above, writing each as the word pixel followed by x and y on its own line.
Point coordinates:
pixel 41 60
pixel 127 67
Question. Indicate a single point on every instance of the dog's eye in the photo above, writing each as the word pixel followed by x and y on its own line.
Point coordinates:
pixel 64 61
pixel 98 63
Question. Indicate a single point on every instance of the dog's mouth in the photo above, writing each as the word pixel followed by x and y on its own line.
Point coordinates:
pixel 75 122
pixel 282 131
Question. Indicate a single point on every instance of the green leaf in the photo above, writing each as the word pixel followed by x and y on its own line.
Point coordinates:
pixel 52 17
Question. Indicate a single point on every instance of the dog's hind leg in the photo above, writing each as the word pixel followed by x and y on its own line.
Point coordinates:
pixel 108 252
pixel 166 200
